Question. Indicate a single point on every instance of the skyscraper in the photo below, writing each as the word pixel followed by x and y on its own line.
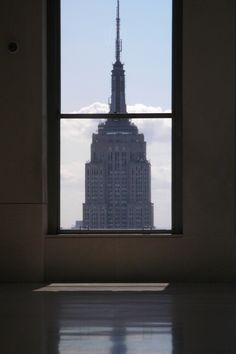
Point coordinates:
pixel 118 176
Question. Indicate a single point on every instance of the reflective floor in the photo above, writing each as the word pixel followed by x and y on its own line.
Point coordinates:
pixel 166 319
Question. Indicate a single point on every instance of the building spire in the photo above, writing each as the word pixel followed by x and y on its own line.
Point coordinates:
pixel 118 40
pixel 118 104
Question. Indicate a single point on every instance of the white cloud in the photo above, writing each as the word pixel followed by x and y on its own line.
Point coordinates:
pixel 98 107
pixel 78 128
pixel 154 129
pixel 141 108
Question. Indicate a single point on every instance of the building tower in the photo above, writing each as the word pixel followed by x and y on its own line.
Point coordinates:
pixel 118 176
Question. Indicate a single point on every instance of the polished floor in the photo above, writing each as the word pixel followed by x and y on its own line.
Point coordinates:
pixel 118 319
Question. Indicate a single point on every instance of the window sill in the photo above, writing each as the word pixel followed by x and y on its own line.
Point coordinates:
pixel 112 235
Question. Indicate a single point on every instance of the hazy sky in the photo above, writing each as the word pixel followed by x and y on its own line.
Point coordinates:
pixel 88 51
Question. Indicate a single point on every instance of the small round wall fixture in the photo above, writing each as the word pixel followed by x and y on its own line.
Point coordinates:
pixel 13 47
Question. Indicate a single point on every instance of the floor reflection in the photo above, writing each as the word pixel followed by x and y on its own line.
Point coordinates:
pixel 116 340
pixel 182 319
pixel 112 324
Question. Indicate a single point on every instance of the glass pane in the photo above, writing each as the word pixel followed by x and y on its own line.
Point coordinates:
pixel 116 174
pixel 135 44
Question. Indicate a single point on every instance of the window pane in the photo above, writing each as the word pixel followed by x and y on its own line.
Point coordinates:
pixel 116 174
pixel 89 53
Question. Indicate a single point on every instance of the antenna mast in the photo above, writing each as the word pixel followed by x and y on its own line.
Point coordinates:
pixel 118 40
pixel 118 104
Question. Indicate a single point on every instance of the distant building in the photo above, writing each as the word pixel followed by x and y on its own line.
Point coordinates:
pixel 78 225
pixel 118 176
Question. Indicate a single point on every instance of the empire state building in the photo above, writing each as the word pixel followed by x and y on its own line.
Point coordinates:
pixel 118 175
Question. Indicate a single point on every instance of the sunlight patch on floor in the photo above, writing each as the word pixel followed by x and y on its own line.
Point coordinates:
pixel 56 287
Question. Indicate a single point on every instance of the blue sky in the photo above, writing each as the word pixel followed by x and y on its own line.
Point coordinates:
pixel 88 51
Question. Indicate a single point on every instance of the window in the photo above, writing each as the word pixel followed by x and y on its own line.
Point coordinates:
pixel 114 167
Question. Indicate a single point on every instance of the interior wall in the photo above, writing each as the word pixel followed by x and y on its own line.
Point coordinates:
pixel 207 249
pixel 22 140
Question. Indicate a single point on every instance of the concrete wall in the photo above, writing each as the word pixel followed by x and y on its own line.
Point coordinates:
pixel 207 248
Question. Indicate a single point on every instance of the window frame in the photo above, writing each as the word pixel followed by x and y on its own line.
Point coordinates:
pixel 54 116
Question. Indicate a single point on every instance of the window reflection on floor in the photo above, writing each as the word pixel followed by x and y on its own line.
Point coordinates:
pixel 125 338
pixel 112 323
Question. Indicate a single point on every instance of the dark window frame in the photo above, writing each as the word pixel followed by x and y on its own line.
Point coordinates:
pixel 54 116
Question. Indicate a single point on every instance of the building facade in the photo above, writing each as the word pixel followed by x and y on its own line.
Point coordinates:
pixel 118 175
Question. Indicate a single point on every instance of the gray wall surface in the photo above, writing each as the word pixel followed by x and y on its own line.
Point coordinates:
pixel 207 249
pixel 22 140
